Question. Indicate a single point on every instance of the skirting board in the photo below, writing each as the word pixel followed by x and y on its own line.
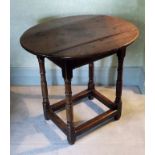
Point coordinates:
pixel 25 76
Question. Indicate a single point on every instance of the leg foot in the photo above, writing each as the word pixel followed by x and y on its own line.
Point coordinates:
pixel 71 138
pixel 117 117
pixel 119 113
pixel 90 97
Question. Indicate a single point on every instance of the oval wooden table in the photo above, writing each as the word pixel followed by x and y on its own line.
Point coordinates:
pixel 71 42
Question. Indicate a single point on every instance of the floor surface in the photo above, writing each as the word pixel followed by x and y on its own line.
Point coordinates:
pixel 32 135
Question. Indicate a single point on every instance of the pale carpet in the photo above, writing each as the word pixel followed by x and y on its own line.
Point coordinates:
pixel 32 135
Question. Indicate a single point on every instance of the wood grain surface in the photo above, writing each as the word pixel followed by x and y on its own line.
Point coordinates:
pixel 79 36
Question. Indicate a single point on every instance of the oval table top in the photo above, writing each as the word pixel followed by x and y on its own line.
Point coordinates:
pixel 78 37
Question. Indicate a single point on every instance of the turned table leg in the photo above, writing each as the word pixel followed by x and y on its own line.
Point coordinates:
pixel 44 86
pixel 119 82
pixel 67 75
pixel 91 80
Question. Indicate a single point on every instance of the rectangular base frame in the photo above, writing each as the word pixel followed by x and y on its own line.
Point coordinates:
pixel 89 124
pixel 67 72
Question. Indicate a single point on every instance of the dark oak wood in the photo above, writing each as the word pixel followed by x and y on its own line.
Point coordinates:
pixel 79 37
pixel 71 42
pixel 120 54
pixel 67 75
pixel 44 87
pixel 58 121
pixel 104 100
pixel 95 121
pixel 91 80
pixel 61 104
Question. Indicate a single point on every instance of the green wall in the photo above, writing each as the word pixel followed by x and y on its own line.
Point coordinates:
pixel 26 13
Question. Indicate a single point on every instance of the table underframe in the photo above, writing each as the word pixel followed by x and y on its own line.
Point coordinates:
pixel 68 128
